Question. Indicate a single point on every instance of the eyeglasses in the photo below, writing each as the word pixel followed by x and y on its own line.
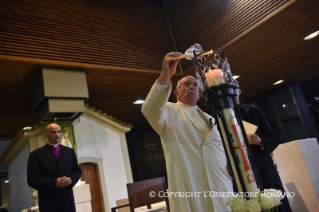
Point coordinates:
pixel 187 84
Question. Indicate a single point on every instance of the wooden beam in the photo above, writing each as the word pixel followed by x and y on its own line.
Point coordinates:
pixel 48 62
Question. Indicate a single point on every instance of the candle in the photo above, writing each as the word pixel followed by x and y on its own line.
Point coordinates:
pixel 214 77
pixel 240 151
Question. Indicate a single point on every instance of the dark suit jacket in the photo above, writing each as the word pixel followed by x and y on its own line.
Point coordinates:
pixel 42 173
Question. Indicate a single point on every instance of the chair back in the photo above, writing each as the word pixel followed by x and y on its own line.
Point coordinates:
pixel 139 193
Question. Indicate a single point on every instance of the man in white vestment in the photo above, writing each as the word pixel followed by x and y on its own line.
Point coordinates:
pixel 194 154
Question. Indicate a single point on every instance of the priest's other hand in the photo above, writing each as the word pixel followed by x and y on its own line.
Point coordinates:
pixel 63 182
pixel 254 139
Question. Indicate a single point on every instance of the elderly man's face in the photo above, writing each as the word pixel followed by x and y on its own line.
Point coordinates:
pixel 188 91
pixel 53 133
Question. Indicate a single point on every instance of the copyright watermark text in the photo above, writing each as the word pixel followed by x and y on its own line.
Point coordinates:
pixel 224 194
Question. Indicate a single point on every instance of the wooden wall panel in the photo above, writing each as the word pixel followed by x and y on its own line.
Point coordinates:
pixel 125 33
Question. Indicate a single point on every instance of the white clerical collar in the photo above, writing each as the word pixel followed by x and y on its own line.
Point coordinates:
pixel 194 108
pixel 55 145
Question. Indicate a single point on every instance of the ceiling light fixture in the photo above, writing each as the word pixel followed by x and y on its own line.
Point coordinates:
pixel 312 35
pixel 27 128
pixel 278 82
pixel 138 102
pixel 235 76
pixel 7 181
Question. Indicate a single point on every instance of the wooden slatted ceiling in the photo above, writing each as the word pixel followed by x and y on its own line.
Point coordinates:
pixel 114 33
pixel 259 57
pixel 15 94
pixel 213 24
pixel 278 52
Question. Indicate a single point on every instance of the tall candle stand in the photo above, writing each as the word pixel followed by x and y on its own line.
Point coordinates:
pixel 214 75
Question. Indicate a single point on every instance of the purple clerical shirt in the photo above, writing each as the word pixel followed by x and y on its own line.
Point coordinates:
pixel 55 150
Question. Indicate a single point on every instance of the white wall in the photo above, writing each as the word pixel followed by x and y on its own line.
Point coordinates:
pixel 95 140
pixel 20 193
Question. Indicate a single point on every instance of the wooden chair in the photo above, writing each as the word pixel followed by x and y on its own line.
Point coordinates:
pixel 139 194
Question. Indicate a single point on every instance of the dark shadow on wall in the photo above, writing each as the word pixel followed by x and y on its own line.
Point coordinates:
pixel 146 154
pixel 298 204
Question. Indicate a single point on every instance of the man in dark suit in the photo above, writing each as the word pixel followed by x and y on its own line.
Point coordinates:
pixel 263 142
pixel 53 170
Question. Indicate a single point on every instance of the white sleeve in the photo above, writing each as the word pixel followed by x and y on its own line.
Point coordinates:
pixel 162 87
pixel 154 107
